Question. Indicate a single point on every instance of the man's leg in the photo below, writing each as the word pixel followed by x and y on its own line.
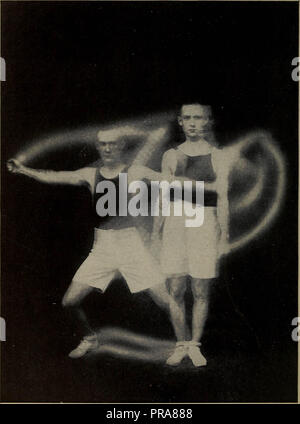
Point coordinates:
pixel 200 290
pixel 177 289
pixel 72 301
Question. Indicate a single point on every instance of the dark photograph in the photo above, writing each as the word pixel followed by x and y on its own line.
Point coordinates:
pixel 149 196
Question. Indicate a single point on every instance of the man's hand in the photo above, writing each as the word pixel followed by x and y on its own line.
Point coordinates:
pixel 14 166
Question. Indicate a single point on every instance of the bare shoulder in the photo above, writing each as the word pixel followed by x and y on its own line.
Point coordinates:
pixel 217 153
pixel 169 156
pixel 169 161
pixel 224 159
pixel 228 154
pixel 169 153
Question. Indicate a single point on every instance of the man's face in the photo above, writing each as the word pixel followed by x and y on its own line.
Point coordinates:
pixel 109 148
pixel 196 121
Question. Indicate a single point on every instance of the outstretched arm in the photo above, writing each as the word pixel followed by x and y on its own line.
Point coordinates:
pixel 223 218
pixel 44 176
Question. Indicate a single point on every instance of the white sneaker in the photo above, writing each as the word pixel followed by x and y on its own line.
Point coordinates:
pixel 87 344
pixel 196 356
pixel 177 356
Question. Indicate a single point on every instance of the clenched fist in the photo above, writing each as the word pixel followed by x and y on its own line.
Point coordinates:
pixel 14 166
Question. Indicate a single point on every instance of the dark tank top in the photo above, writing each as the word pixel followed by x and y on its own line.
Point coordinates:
pixel 198 168
pixel 111 222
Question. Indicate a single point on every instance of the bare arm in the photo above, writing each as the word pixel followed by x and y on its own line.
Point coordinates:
pixel 45 176
pixel 223 214
pixel 168 168
pixel 222 170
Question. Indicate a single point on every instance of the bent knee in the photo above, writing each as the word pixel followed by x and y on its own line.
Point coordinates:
pixel 72 296
pixel 67 302
pixel 201 290
pixel 201 296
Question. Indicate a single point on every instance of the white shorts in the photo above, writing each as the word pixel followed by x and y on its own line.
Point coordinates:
pixel 191 250
pixel 119 251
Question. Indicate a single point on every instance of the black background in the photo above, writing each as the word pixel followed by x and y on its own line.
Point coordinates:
pixel 73 63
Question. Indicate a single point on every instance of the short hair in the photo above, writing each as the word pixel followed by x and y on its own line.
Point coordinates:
pixel 192 103
pixel 112 134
